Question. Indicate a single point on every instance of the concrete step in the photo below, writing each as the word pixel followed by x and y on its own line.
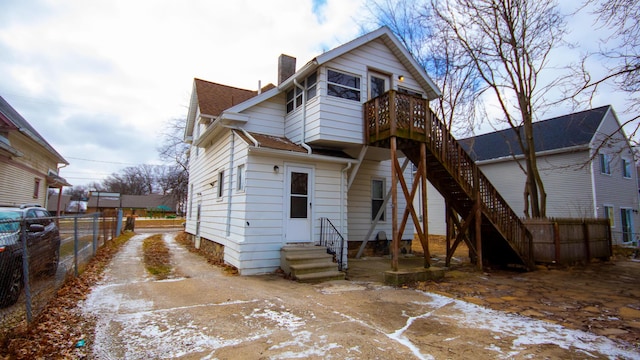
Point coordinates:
pixel 302 258
pixel 320 276
pixel 312 267
pixel 303 250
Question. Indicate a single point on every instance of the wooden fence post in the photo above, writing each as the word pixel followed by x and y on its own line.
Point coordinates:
pixel 556 240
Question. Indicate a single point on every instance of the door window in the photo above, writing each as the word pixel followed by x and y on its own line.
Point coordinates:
pixel 299 195
pixel 377 86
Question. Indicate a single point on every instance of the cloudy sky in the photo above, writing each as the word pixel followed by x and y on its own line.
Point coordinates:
pixel 99 79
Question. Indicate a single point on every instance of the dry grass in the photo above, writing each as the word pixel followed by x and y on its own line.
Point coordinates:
pixel 54 332
pixel 157 258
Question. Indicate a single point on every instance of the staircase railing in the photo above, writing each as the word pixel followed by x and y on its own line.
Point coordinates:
pixel 331 238
pixel 408 117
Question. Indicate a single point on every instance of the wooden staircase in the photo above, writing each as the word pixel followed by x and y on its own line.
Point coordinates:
pixel 449 168
pixel 309 264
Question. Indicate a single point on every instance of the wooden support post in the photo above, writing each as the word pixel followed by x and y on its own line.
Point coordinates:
pixel 479 232
pixel 394 207
pixel 425 214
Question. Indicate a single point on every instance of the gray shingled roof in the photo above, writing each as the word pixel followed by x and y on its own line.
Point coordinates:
pixel 24 127
pixel 557 133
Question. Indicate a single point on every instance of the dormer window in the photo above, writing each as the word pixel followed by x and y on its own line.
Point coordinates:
pixel 294 96
pixel 343 85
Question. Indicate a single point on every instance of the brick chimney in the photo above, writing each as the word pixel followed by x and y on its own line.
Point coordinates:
pixel 286 67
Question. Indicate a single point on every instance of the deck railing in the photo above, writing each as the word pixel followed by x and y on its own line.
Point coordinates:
pixel 409 117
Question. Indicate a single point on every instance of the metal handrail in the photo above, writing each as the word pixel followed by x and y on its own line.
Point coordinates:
pixel 331 238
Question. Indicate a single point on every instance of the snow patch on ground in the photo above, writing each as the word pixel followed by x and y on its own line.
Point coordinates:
pixel 526 331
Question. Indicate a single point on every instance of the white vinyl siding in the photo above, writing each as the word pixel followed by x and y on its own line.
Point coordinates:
pixel 566 181
pixel 267 117
pixel 336 120
pixel 614 189
pixel 360 202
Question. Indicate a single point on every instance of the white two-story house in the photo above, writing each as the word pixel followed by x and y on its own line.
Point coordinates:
pixel 267 167
pixel 586 164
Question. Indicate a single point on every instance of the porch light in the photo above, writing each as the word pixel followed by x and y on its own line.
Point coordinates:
pixel 276 169
pixel 401 77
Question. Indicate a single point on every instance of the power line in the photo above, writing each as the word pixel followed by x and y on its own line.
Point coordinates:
pixel 100 161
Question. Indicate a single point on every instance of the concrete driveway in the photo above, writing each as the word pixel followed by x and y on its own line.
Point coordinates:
pixel 201 313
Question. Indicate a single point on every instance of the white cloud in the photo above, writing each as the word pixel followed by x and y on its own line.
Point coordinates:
pixel 99 78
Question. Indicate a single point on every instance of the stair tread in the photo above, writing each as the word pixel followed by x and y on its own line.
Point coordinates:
pixel 320 275
pixel 294 257
pixel 313 265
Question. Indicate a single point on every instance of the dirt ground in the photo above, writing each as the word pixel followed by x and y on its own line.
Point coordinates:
pixel 203 313
pixel 601 297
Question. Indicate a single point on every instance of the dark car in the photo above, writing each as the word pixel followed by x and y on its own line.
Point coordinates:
pixel 43 247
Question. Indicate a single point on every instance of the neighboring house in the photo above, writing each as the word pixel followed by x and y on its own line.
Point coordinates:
pixel 585 161
pixel 266 166
pixel 28 164
pixel 153 205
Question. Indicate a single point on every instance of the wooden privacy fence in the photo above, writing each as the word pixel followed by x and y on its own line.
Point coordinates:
pixel 566 241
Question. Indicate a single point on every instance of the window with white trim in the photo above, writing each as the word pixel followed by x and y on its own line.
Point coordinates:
pixel 605 164
pixel 608 214
pixel 221 184
pixel 294 96
pixel 377 198
pixel 240 178
pixel 343 85
pixel 626 168
pixel 627 224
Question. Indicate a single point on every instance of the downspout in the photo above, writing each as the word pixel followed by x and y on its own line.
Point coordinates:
pixel 304 116
pixel 342 201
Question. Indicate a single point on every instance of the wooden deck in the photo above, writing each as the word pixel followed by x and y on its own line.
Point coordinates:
pixel 476 213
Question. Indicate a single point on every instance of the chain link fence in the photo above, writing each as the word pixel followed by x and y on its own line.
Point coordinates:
pixel 37 255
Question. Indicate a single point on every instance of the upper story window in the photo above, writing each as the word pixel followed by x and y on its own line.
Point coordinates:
pixel 605 164
pixel 343 85
pixel 626 168
pixel 294 96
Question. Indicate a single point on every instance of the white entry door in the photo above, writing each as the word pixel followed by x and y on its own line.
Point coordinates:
pixel 298 204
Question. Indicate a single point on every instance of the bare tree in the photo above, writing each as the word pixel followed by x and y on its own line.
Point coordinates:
pixel 175 181
pixel 619 54
pixel 508 43
pixel 431 42
pixel 77 192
